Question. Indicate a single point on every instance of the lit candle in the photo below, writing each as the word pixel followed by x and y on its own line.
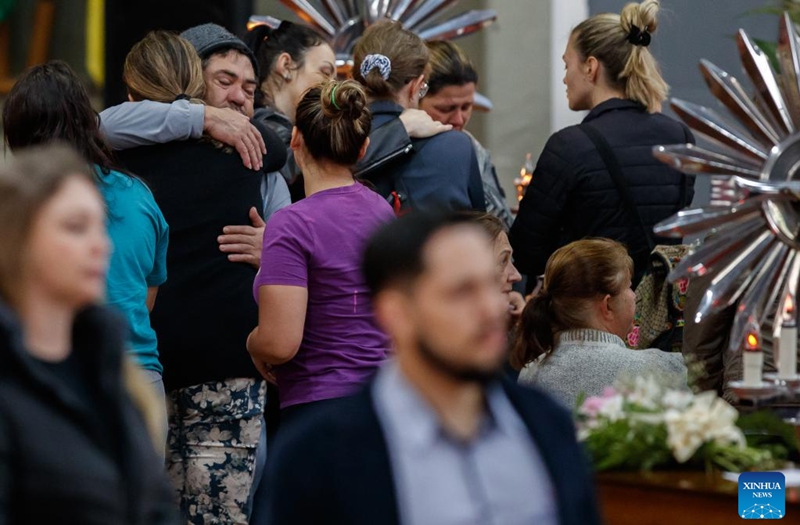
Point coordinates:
pixel 753 359
pixel 787 346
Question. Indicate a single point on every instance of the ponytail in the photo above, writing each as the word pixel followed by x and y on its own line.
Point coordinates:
pixel 643 79
pixel 575 275
pixel 387 57
pixel 535 335
pixel 620 43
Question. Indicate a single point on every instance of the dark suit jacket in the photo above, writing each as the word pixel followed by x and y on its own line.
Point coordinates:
pixel 334 468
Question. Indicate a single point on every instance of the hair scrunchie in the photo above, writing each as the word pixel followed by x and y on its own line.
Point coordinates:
pixel 382 62
pixel 639 37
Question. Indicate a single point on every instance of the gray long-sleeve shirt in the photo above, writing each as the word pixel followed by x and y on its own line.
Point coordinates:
pixel 145 123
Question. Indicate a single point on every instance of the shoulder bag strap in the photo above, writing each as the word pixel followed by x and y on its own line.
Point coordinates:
pixel 610 160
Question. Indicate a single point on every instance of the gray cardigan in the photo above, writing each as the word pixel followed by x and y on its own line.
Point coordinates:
pixel 589 360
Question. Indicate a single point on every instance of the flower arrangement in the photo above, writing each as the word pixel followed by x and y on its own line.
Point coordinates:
pixel 641 425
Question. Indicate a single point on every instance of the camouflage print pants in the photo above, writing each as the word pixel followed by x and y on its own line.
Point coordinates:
pixel 214 429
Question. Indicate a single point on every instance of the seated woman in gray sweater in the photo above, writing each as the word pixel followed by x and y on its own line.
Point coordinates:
pixel 571 334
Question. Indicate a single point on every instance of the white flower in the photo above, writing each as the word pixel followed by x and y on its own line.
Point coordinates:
pixel 612 408
pixel 708 418
pixel 648 418
pixel 646 392
pixel 677 399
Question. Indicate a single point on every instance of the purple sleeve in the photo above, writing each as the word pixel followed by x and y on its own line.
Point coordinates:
pixel 287 247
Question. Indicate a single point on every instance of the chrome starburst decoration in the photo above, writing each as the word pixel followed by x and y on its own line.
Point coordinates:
pixel 754 164
pixel 343 21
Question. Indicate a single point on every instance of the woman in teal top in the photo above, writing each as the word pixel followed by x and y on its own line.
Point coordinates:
pixel 49 103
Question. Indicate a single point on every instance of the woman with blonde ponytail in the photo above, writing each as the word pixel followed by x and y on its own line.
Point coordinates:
pixel 570 337
pixel 575 191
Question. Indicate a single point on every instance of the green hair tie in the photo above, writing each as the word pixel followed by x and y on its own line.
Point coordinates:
pixel 333 97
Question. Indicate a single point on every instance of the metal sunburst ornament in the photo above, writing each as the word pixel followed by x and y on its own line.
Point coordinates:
pixel 754 255
pixel 343 21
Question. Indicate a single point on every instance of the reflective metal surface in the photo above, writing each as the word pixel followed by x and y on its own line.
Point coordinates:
pixel 756 65
pixel 343 21
pixel 752 228
pixel 461 25
pixel 308 13
pixel 718 128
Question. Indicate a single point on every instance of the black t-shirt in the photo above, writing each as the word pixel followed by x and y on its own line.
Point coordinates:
pixel 73 375
pixel 205 310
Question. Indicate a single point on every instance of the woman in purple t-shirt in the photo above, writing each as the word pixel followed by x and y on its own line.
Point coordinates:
pixel 316 330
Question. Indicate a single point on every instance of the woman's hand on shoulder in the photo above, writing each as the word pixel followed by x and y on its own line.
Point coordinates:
pixel 420 125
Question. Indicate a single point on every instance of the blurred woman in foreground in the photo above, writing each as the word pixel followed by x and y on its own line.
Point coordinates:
pixel 73 447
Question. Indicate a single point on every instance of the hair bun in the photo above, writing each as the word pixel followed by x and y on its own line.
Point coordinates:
pixel 642 17
pixel 345 99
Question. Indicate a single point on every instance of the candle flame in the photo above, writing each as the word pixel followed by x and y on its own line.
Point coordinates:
pixel 525 176
pixel 752 341
pixel 788 305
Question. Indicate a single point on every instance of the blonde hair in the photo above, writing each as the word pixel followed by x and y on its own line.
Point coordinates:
pixel 575 274
pixel 163 66
pixel 147 402
pixel 629 67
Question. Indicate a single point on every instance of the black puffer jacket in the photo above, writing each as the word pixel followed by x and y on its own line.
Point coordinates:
pixel 572 195
pixel 67 460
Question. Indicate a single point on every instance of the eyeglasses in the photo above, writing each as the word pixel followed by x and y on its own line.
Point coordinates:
pixel 423 90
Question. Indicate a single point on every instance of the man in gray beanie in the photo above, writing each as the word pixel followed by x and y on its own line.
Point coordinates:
pixel 209 39
pixel 230 72
pixel 230 75
pixel 230 69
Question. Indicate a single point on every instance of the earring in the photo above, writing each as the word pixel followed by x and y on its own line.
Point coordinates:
pixel 287 76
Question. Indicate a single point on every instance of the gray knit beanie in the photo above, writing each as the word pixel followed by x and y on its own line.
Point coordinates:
pixel 208 39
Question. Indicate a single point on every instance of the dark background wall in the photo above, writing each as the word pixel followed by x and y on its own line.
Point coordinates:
pixel 68 31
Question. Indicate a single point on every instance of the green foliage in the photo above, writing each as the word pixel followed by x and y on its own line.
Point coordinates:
pixel 642 425
pixel 777 7
pixel 765 430
pixel 630 445
pixel 623 445
pixel 771 50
